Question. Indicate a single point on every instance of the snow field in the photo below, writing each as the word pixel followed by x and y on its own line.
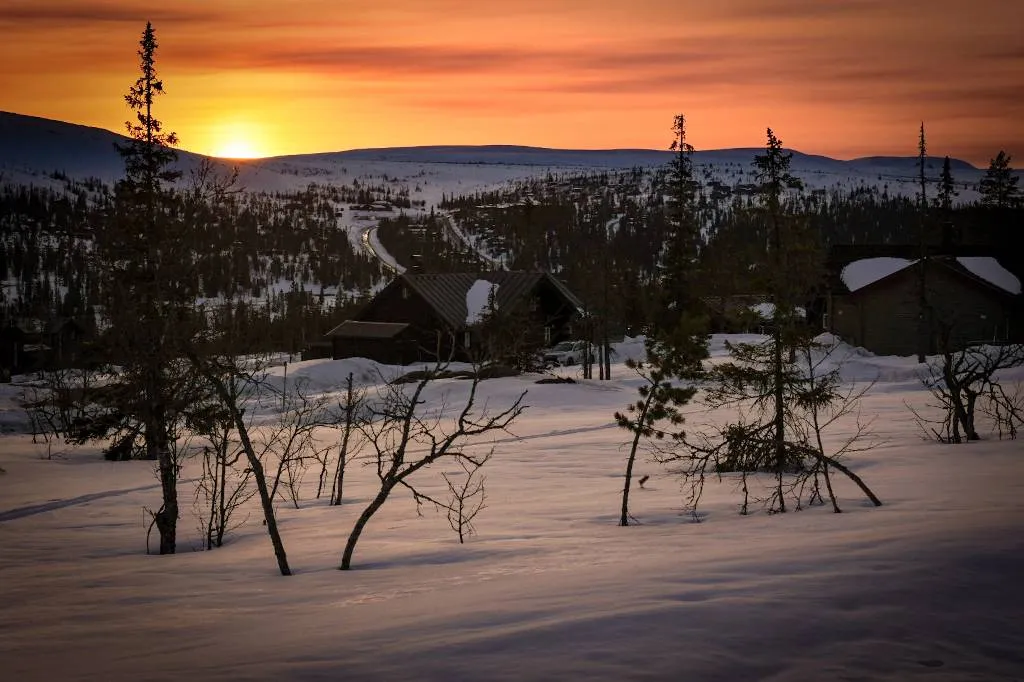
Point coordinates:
pixel 925 587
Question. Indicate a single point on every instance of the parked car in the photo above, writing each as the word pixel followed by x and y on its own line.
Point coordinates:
pixel 566 353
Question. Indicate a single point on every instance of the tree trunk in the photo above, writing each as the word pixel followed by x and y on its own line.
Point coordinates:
pixel 969 431
pixel 778 389
pixel 624 518
pixel 364 518
pixel 222 512
pixel 831 493
pixel 607 356
pixel 254 464
pixel 780 412
pixel 166 518
pixel 339 476
pixel 265 499
pixel 339 479
pixel 852 476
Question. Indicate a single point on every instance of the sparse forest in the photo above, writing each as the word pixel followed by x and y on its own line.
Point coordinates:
pixel 277 265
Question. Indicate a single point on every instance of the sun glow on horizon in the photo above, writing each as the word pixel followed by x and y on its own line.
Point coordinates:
pixel 237 149
pixel 238 141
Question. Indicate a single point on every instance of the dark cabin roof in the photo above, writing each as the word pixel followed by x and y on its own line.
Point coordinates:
pixel 368 330
pixel 446 292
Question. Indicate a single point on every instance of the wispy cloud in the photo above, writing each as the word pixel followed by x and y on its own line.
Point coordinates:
pixel 65 13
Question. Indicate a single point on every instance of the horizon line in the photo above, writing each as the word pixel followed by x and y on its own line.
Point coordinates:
pixel 185 149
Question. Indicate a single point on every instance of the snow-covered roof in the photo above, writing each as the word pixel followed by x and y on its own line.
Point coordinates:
pixel 767 310
pixel 476 300
pixel 861 273
pixel 992 272
pixel 448 293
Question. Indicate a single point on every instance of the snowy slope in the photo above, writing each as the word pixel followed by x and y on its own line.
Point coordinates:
pixel 32 145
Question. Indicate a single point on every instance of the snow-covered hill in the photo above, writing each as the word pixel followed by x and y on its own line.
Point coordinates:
pixel 36 147
pixel 32 146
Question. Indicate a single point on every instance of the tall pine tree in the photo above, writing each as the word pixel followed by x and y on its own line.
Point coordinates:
pixel 680 261
pixel 765 372
pixel 676 350
pixel 144 258
pixel 924 321
pixel 947 188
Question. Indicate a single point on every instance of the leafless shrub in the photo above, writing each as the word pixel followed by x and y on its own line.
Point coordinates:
pixel 230 379
pixel 222 490
pixel 404 439
pixel 824 404
pixel 1004 407
pixel 957 380
pixel 226 482
pixel 289 445
pixel 348 419
pixel 467 497
pixel 56 404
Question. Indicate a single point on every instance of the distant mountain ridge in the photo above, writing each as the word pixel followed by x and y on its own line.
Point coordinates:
pixel 611 158
pixel 40 145
pixel 34 144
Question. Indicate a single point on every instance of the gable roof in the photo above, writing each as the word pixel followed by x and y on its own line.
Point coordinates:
pixel 1005 263
pixel 446 292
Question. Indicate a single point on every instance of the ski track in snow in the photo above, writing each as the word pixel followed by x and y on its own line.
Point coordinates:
pixel 53 505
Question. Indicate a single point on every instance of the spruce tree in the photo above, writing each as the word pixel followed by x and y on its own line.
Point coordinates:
pixel 922 151
pixel 923 312
pixel 999 186
pixel 144 261
pixel 765 372
pixel 947 188
pixel 681 250
pixel 676 350
pixel 947 192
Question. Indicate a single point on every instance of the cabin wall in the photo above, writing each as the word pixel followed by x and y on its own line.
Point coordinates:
pixel 883 317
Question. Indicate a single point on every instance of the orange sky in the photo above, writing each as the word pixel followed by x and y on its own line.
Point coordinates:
pixel 838 77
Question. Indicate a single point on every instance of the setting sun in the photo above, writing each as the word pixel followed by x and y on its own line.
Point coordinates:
pixel 237 149
pixel 237 141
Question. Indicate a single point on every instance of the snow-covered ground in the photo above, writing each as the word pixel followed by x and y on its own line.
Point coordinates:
pixel 926 587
